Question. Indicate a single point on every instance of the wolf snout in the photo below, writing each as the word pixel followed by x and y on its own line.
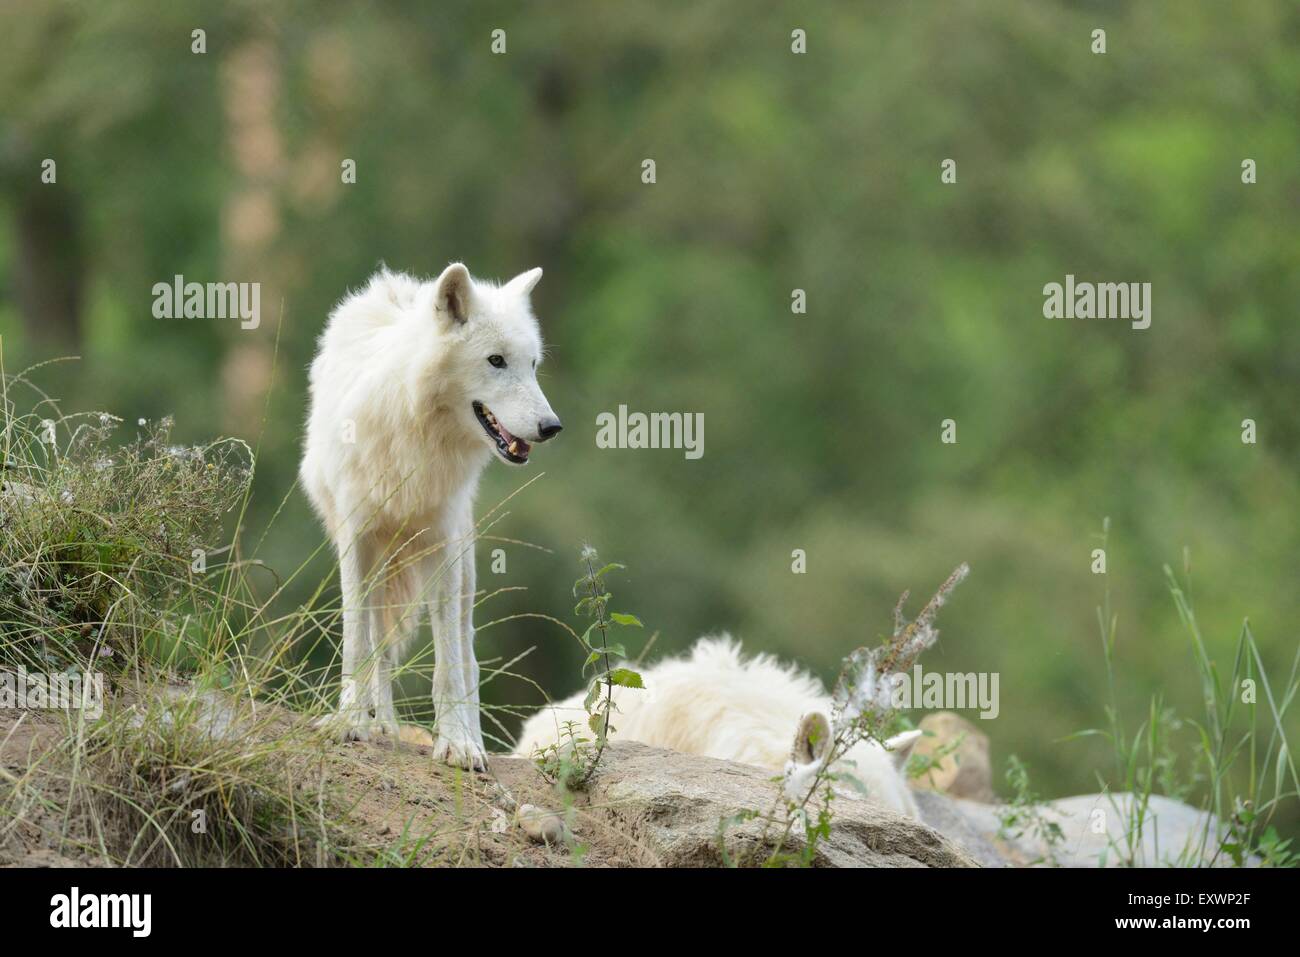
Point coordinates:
pixel 548 428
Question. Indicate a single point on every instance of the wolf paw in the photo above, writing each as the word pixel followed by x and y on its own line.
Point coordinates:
pixel 460 752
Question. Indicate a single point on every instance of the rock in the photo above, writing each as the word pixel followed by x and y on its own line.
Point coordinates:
pixel 541 826
pixel 1173 833
pixel 965 772
pixel 212 713
pixel 670 806
pixel 673 807
pixel 18 494
pixel 964 828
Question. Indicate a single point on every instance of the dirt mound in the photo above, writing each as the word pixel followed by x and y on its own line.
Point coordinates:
pixel 645 807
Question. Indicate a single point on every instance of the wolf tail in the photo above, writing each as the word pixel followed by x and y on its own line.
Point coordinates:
pixel 397 593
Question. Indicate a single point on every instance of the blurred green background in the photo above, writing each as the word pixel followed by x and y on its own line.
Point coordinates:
pixel 775 171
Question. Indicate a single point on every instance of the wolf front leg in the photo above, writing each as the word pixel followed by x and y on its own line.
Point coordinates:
pixel 468 588
pixel 459 741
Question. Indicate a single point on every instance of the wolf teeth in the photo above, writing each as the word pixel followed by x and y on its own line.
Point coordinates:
pixel 513 447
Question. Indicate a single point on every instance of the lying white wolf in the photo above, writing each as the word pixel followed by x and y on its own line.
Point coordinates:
pixel 716 704
pixel 415 387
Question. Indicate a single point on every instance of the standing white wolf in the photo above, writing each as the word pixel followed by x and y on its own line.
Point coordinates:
pixel 415 386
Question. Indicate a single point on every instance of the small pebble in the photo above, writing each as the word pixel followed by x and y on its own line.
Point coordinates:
pixel 541 825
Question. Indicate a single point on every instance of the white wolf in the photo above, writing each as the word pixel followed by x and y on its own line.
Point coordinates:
pixel 415 387
pixel 714 703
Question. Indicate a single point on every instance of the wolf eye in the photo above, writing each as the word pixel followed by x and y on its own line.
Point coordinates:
pixel 497 362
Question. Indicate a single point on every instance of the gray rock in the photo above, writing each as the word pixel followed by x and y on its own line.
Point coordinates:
pixel 211 713
pixel 965 828
pixel 1172 833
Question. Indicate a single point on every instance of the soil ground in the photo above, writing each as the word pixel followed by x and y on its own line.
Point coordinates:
pixel 395 796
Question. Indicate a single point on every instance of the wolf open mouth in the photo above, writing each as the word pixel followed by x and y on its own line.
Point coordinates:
pixel 512 448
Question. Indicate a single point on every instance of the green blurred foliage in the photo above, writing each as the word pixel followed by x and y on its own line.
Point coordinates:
pixel 775 172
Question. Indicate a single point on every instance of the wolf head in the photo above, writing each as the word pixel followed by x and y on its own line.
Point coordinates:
pixel 492 348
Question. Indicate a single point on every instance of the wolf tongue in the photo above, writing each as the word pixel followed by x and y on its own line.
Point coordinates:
pixel 514 445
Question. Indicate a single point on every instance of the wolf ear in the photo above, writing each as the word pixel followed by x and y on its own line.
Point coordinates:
pixel 525 281
pixel 812 739
pixel 900 746
pixel 452 294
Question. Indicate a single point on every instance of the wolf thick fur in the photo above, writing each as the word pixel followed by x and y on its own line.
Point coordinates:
pixel 414 389
pixel 714 703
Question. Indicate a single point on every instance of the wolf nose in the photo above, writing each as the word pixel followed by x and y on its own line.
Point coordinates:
pixel 548 428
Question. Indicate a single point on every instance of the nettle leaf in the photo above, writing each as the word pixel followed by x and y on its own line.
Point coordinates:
pixel 623 619
pixel 598 723
pixel 593 657
pixel 593 695
pixel 609 568
pixel 626 678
